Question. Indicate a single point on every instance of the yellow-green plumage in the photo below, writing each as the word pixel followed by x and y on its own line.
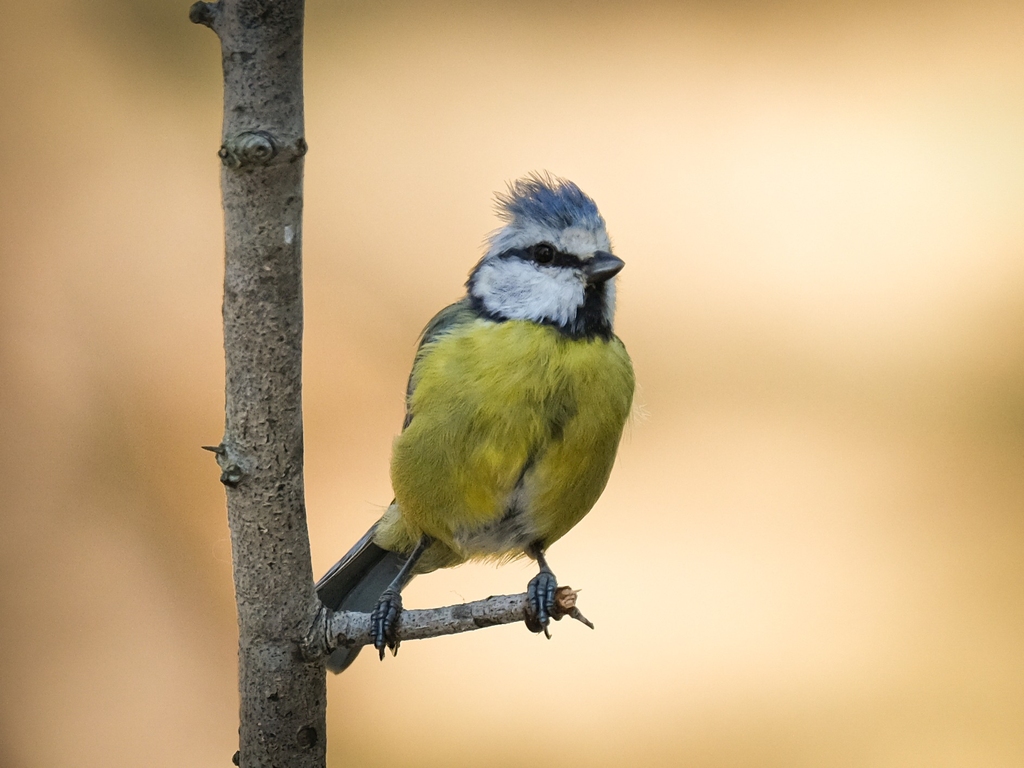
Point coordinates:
pixel 515 407
pixel 493 406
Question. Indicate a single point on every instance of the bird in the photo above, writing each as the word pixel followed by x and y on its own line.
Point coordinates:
pixel 515 408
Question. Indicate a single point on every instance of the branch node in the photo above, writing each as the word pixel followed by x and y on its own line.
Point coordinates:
pixel 204 13
pixel 565 605
pixel 255 149
pixel 232 475
pixel 307 737
pixel 231 470
pixel 318 641
pixel 249 149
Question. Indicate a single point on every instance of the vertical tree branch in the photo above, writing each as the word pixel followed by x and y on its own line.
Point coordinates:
pixel 283 697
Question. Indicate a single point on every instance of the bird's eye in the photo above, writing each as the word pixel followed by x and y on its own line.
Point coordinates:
pixel 543 253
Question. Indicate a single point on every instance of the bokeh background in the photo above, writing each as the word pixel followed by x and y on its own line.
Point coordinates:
pixel 810 552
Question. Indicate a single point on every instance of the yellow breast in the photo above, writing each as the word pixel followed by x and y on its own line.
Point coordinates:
pixel 513 433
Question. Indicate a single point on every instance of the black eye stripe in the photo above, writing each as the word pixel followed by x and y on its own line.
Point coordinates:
pixel 558 259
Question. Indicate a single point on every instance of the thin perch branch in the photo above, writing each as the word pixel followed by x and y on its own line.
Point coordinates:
pixel 333 629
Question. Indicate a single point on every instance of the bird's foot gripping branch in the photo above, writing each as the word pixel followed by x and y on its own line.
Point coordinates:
pixel 336 629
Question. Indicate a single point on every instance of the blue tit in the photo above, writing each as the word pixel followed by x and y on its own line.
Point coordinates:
pixel 514 411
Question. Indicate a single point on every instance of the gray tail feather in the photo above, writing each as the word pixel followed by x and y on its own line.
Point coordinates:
pixel 355 583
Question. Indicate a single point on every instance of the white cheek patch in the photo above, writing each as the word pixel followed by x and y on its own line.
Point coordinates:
pixel 518 290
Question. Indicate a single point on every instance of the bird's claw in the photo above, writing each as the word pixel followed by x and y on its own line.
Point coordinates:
pixel 384 622
pixel 540 595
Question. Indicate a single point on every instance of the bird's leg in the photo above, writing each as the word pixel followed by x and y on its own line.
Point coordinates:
pixel 540 593
pixel 384 619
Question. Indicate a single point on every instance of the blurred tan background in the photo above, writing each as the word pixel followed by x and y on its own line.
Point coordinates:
pixel 810 552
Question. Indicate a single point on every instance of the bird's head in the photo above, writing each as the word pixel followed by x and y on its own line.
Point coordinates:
pixel 551 263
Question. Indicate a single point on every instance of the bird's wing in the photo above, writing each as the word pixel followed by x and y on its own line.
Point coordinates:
pixel 451 317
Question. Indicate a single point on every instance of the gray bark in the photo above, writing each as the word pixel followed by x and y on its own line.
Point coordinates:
pixel 283 695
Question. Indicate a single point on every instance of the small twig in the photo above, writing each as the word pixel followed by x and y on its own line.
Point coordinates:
pixel 335 629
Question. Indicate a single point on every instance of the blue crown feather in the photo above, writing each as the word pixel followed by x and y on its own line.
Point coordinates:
pixel 549 200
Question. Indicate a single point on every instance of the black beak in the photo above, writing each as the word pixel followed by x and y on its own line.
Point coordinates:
pixel 602 266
